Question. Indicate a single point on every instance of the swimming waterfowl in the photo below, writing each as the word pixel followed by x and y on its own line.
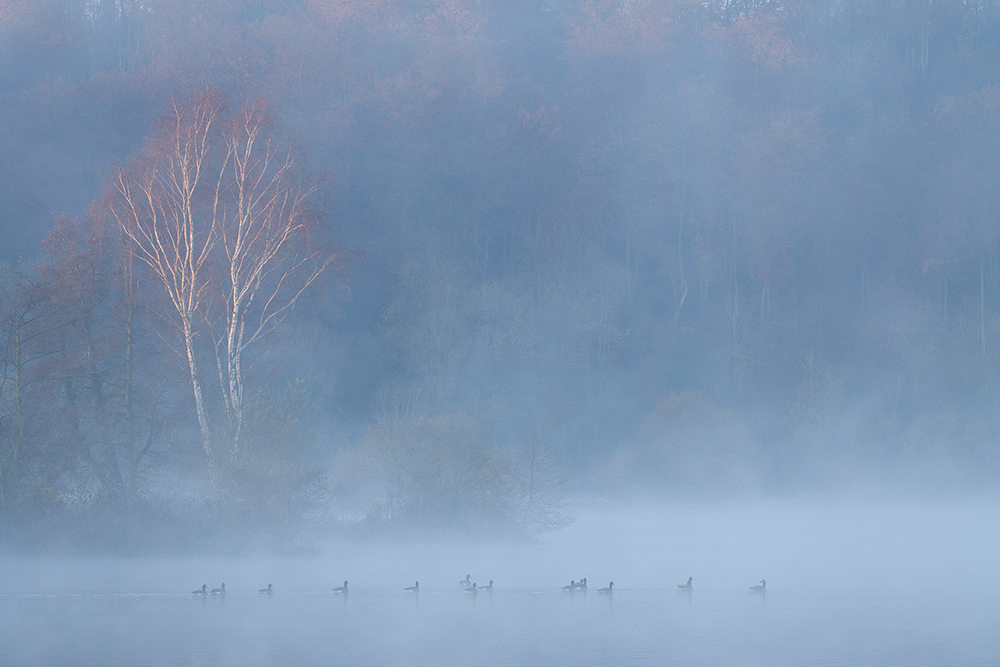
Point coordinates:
pixel 341 589
pixel 467 581
pixel 472 590
pixel 269 590
pixel 415 588
pixel 571 587
pixel 203 591
pixel 219 591
pixel 488 589
pixel 609 589
pixel 761 588
pixel 687 586
pixel 582 584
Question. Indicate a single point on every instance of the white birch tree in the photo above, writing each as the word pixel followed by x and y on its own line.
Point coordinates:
pixel 167 204
pixel 265 238
pixel 221 210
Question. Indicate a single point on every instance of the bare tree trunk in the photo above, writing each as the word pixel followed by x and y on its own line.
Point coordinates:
pixel 234 358
pixel 944 294
pixel 763 305
pixel 171 221
pixel 680 266
pixel 269 268
pixel 128 391
pixel 982 306
pixel 19 412
pixel 110 473
pixel 734 322
pixel 26 321
pixel 631 266
pixel 129 398
pixel 199 402
pixel 222 214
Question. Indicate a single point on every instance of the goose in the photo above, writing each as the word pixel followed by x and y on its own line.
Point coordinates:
pixel 466 582
pixel 582 584
pixel 488 589
pixel 472 590
pixel 571 586
pixel 269 590
pixel 202 591
pixel 687 586
pixel 415 588
pixel 760 588
pixel 219 591
pixel 609 589
pixel 341 589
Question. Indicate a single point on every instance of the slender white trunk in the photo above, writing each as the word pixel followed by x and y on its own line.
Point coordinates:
pixel 130 461
pixel 199 401
pixel 234 358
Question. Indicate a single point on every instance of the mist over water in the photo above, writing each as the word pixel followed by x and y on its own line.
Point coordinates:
pixel 295 292
pixel 865 584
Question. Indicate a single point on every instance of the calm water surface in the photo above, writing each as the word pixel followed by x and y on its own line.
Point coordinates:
pixel 508 627
pixel 889 587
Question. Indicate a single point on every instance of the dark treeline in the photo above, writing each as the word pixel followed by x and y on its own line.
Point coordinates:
pixel 499 248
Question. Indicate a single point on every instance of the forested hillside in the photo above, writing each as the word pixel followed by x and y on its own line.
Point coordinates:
pixel 269 262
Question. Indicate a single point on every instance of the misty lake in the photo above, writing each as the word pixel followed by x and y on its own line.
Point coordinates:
pixel 857 586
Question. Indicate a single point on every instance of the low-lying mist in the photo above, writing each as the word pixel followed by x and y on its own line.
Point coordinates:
pixel 874 583
pixel 796 545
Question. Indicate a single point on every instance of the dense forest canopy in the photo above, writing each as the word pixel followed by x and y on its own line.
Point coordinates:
pixel 613 246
